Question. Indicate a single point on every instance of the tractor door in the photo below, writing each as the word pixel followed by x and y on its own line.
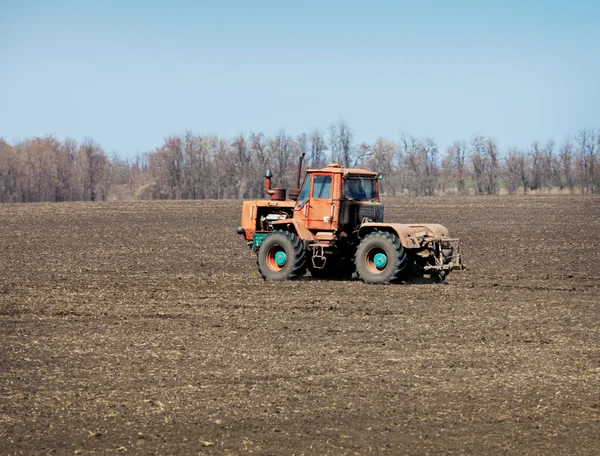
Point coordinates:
pixel 316 210
pixel 319 212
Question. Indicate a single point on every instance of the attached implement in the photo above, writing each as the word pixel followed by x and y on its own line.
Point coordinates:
pixel 333 227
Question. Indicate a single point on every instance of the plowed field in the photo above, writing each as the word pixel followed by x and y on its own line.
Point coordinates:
pixel 145 328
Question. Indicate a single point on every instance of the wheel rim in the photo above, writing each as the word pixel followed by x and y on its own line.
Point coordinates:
pixel 276 258
pixel 377 260
pixel 380 260
pixel 280 258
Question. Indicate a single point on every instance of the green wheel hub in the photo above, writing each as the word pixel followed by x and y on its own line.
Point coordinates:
pixel 280 258
pixel 380 260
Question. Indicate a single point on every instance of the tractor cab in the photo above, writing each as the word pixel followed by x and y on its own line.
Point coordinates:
pixel 336 198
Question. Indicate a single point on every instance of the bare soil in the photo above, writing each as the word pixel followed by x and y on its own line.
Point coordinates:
pixel 145 328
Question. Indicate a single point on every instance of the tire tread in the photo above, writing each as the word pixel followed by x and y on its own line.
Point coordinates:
pixel 299 268
pixel 401 257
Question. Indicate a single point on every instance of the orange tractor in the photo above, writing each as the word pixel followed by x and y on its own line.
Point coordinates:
pixel 333 226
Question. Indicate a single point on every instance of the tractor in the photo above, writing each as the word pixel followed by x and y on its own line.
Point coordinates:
pixel 333 227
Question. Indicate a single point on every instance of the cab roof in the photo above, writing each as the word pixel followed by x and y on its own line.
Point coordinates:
pixel 338 169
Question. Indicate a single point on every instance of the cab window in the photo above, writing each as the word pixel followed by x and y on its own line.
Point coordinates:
pixel 303 197
pixel 322 187
pixel 358 188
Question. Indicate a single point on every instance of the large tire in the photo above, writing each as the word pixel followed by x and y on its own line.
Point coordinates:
pixel 380 258
pixel 281 256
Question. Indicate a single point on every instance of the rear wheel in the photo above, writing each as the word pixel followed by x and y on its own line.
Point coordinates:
pixel 281 256
pixel 380 258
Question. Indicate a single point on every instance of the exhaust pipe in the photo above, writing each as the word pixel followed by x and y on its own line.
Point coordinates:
pixel 280 194
pixel 268 189
pixel 300 169
pixel 277 194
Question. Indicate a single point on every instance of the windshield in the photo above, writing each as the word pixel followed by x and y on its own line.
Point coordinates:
pixel 303 198
pixel 360 188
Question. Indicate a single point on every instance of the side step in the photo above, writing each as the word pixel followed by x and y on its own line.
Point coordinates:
pixel 324 236
pixel 318 255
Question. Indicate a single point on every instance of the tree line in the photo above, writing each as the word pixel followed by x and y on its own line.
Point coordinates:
pixel 191 166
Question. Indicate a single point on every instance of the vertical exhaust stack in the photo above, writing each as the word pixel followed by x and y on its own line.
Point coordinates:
pixel 293 193
pixel 277 194
pixel 280 194
pixel 300 169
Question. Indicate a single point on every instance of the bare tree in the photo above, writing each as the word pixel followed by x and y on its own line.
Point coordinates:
pixel 260 162
pixel 491 151
pixel 516 171
pixel 93 165
pixel 409 160
pixel 341 137
pixel 455 164
pixel 536 159
pixel 363 152
pixel 195 170
pixel 381 158
pixel 317 149
pixel 168 167
pixel 66 169
pixel 11 174
pixel 280 149
pixel 550 166
pixel 419 159
pixel 429 149
pixel 566 164
pixel 302 140
pixel 479 163
pixel 587 157
pixel 242 165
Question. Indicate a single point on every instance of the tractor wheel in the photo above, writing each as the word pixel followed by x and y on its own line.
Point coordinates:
pixel 380 258
pixel 281 256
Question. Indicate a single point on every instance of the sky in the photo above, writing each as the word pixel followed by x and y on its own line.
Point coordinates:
pixel 127 74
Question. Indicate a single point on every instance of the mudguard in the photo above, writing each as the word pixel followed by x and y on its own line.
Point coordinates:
pixel 410 235
pixel 299 227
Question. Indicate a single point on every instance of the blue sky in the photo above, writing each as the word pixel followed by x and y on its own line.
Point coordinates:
pixel 129 73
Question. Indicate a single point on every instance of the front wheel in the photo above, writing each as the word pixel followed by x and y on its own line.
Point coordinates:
pixel 281 256
pixel 380 258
